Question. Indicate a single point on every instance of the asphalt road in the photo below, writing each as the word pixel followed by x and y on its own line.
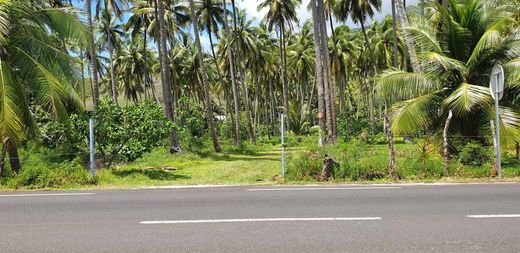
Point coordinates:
pixel 400 218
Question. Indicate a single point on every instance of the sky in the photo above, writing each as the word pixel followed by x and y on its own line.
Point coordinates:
pixel 304 14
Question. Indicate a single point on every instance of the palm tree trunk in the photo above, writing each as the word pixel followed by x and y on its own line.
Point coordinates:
pixel 422 8
pixel 329 85
pixel 247 106
pixel 282 74
pixel 392 166
pixel 167 96
pixel 394 36
pixel 319 73
pixel 407 38
pixel 113 76
pixel 14 158
pixel 92 52
pixel 205 84
pixel 213 53
pixel 445 143
pixel 3 154
pixel 236 125
pixel 83 85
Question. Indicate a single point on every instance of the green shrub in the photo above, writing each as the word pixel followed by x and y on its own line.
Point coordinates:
pixel 474 153
pixel 307 166
pixel 37 173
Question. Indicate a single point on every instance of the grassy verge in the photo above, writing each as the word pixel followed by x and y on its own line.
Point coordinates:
pixel 359 163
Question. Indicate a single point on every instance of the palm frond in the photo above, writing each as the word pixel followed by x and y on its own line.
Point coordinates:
pixel 413 115
pixel 396 85
pixel 468 97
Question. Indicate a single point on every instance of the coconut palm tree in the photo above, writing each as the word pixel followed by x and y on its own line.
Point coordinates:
pixel 33 68
pixel 165 74
pixel 210 14
pixel 281 14
pixel 204 77
pixel 110 33
pixel 455 61
pixel 360 11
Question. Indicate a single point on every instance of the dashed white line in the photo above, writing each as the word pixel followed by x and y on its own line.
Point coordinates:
pixel 47 194
pixel 259 220
pixel 490 216
pixel 324 188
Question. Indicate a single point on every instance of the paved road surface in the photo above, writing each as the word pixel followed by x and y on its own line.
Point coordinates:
pixel 401 218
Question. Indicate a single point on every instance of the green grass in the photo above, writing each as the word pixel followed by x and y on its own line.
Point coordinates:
pixel 230 167
pixel 259 164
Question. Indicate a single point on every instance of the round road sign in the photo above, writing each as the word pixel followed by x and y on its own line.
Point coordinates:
pixel 496 82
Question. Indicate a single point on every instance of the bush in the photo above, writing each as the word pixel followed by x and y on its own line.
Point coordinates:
pixel 192 118
pixel 474 153
pixel 121 133
pixel 37 173
pixel 308 166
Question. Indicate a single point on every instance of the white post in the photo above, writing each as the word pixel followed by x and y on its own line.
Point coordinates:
pixel 497 127
pixel 92 161
pixel 283 145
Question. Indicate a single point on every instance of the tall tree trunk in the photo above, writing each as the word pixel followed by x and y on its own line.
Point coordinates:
pixel 14 159
pixel 213 53
pixel 3 154
pixel 205 84
pixel 247 106
pixel 407 37
pixel 236 125
pixel 422 8
pixel 113 76
pixel 83 85
pixel 92 52
pixel 392 166
pixel 395 59
pixel 329 85
pixel 282 73
pixel 165 78
pixel 320 80
pixel 445 143
pixel 339 76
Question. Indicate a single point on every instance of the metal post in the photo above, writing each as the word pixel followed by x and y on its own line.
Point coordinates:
pixel 92 161
pixel 283 145
pixel 497 127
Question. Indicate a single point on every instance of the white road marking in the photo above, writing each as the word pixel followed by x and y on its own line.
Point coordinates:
pixel 324 188
pixel 489 216
pixel 47 194
pixel 258 220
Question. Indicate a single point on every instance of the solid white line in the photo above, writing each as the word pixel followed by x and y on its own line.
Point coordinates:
pixel 489 216
pixel 324 188
pixel 47 194
pixel 258 220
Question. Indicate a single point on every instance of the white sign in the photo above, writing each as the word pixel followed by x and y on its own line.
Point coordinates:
pixel 496 82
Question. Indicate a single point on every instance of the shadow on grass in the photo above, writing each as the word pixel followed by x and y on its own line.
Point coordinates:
pixel 231 158
pixel 151 174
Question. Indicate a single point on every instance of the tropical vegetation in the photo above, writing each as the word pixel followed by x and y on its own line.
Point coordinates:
pixel 177 75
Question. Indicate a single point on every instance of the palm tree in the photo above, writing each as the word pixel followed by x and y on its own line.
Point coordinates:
pixel 455 62
pixel 110 38
pixel 210 14
pixel 165 77
pixel 399 4
pixel 281 13
pixel 204 77
pixel 236 102
pixel 92 52
pixel 360 11
pixel 33 69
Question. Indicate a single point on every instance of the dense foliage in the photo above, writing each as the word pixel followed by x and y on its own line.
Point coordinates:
pixel 142 69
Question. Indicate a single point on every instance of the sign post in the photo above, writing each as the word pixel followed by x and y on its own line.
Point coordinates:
pixel 496 86
pixel 283 144
pixel 91 142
